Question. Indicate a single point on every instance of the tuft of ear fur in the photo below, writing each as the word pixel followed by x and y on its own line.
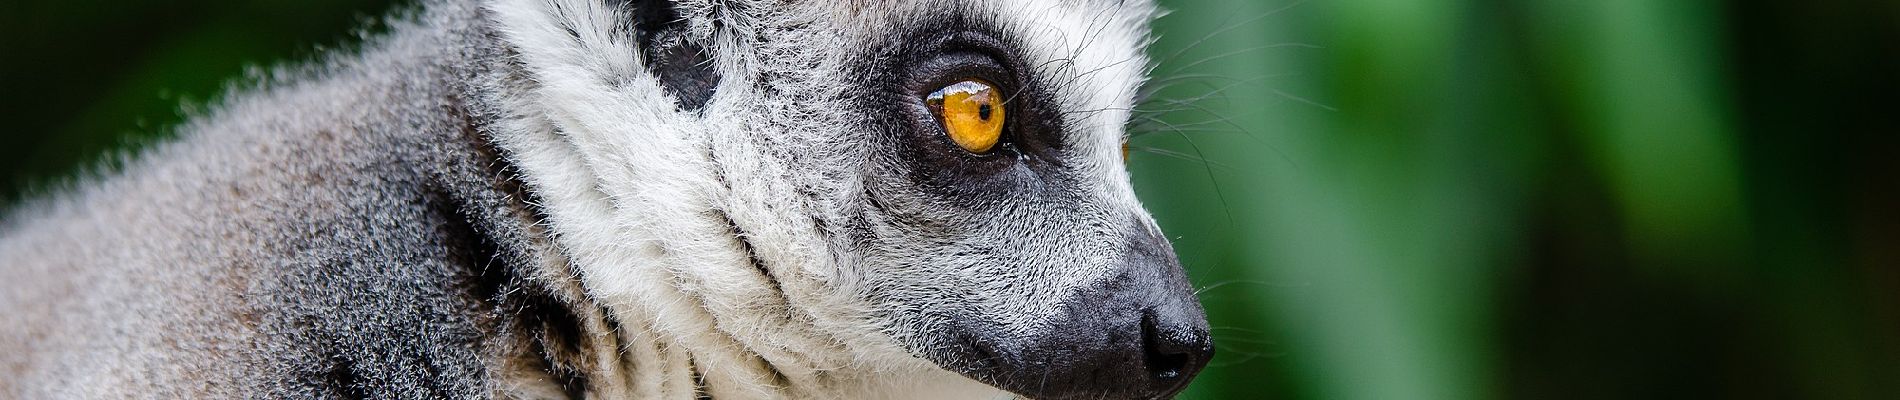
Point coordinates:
pixel 673 54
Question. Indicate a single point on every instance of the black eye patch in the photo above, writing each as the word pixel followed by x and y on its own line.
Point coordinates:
pixel 919 155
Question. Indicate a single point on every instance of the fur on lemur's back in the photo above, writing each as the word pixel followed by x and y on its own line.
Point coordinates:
pixel 622 199
pixel 309 238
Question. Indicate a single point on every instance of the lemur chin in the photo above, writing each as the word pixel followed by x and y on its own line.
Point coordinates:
pixel 731 199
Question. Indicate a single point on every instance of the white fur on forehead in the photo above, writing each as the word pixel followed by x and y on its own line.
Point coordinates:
pixel 645 198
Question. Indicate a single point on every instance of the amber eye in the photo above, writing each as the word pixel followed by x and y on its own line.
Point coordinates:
pixel 971 112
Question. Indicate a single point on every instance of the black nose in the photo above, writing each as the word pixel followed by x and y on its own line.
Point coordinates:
pixel 1145 353
pixel 1139 335
pixel 1173 351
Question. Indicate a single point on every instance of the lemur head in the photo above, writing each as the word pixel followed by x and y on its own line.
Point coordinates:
pixel 823 190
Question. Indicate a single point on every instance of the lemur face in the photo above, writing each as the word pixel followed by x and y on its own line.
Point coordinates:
pixel 942 178
pixel 989 212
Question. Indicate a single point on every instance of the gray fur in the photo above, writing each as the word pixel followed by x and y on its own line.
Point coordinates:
pixel 528 198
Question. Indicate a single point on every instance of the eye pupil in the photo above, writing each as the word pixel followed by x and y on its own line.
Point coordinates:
pixel 969 114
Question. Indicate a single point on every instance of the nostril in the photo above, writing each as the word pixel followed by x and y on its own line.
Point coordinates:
pixel 1166 357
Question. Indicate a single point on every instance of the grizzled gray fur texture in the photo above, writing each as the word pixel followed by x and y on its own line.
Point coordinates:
pixel 731 199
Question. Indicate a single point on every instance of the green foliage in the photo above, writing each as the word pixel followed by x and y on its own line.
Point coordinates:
pixel 85 78
pixel 1462 199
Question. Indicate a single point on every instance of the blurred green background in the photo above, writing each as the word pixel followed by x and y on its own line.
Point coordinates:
pixel 1381 199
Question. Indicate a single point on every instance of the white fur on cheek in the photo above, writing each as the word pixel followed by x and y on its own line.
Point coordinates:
pixel 582 178
pixel 629 184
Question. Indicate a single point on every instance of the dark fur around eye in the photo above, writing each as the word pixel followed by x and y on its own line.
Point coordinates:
pixel 897 76
pixel 941 58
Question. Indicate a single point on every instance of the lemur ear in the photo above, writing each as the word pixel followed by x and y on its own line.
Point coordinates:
pixel 684 66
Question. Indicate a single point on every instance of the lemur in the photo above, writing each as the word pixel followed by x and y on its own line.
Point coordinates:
pixel 726 199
